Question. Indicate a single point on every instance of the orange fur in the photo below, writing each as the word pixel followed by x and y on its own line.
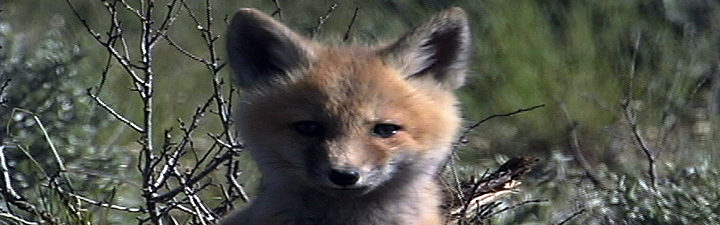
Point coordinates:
pixel 347 134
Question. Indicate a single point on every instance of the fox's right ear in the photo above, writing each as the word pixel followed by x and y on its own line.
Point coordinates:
pixel 440 48
pixel 261 50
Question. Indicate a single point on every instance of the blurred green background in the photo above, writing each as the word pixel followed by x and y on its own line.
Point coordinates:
pixel 588 61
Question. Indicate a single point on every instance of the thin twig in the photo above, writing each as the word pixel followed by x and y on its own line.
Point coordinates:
pixel 31 158
pixel 2 90
pixel 200 210
pixel 210 39
pixel 131 9
pixel 84 22
pixel 575 146
pixel 112 35
pixel 7 183
pixel 515 206
pixel 185 52
pixel 171 160
pixel 278 10
pixel 103 75
pixel 479 193
pixel 467 130
pixel 17 219
pixel 167 22
pixel 463 136
pixel 352 21
pixel 58 160
pixel 631 115
pixel 322 19
pixel 190 13
pixel 211 167
pixel 179 149
pixel 220 141
pixel 575 214
pixel 102 204
pixel 11 196
pixel 643 145
pixel 114 113
pixel 235 184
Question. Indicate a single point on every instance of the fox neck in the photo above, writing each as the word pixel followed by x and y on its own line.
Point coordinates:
pixel 399 202
pixel 412 192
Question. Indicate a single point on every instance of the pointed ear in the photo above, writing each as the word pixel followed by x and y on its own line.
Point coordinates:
pixel 261 50
pixel 439 48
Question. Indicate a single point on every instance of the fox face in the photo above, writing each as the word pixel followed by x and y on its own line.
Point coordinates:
pixel 347 121
pixel 354 125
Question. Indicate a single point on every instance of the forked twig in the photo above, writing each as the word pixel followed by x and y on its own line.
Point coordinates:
pixel 278 10
pixel 631 116
pixel 463 139
pixel 322 19
pixel 487 190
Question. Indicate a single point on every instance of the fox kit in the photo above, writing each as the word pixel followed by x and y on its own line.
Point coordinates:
pixel 347 134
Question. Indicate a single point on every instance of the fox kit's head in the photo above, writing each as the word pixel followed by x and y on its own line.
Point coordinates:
pixel 346 120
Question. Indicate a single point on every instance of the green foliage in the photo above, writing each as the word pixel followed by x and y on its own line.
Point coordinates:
pixel 580 55
pixel 47 91
pixel 577 57
pixel 584 59
pixel 687 195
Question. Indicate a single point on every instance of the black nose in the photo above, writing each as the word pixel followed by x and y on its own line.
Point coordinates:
pixel 344 177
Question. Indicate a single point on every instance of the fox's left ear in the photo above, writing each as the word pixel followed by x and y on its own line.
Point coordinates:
pixel 262 51
pixel 440 48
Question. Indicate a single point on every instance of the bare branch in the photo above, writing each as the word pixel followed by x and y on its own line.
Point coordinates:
pixel 575 214
pixel 632 121
pixel 167 22
pixel 322 19
pixel 631 117
pixel 179 149
pixel 7 183
pixel 278 10
pixel 103 75
pixel 232 171
pixel 209 168
pixel 577 152
pixel 534 201
pixel 101 204
pixel 488 189
pixel 54 151
pixel 185 52
pixel 190 12
pixel 17 219
pixel 463 139
pixel 463 135
pixel 11 196
pixel 2 90
pixel 84 22
pixel 352 21
pixel 132 9
pixel 113 34
pixel 157 167
pixel 115 114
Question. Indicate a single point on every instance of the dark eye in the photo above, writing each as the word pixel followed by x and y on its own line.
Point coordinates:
pixel 385 130
pixel 308 128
